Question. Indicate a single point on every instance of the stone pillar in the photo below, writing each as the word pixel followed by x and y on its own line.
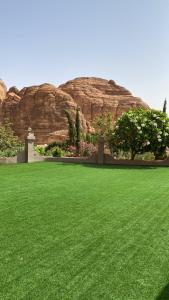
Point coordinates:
pixel 100 157
pixel 29 146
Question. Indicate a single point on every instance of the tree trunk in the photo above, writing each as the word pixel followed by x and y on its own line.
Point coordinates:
pixel 160 154
pixel 133 154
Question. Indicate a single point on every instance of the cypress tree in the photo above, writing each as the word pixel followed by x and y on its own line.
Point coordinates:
pixel 77 124
pixel 72 128
pixel 165 106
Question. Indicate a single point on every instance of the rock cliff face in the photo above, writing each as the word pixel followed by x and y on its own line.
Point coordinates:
pixel 3 90
pixel 42 107
pixel 96 96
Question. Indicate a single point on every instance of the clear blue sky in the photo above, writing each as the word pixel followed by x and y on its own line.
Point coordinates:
pixel 57 40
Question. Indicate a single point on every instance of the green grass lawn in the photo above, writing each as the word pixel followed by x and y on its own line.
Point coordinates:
pixel 83 232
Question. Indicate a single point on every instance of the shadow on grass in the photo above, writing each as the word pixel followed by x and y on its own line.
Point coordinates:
pixel 164 294
pixel 119 167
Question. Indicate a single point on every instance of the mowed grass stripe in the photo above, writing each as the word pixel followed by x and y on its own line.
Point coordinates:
pixel 82 232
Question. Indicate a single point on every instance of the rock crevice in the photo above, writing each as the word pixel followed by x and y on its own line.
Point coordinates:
pixel 42 107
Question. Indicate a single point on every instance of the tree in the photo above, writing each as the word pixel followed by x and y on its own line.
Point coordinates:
pixel 77 125
pixel 103 125
pixel 72 128
pixel 128 133
pixel 9 143
pixel 165 106
pixel 157 132
pixel 138 131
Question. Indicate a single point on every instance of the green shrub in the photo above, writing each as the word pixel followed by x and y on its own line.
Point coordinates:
pixel 90 138
pixel 62 145
pixel 57 152
pixel 145 156
pixel 120 154
pixel 40 150
pixel 8 153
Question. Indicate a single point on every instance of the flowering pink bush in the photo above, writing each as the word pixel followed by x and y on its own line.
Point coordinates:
pixel 71 151
pixel 87 149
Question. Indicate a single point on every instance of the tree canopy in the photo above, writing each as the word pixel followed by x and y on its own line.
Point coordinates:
pixel 9 143
pixel 138 131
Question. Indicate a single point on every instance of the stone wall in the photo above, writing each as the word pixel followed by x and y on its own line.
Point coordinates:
pixel 108 160
pixel 29 155
pixel 8 160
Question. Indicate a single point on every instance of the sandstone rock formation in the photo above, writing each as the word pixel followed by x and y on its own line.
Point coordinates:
pixel 42 107
pixel 3 90
pixel 96 96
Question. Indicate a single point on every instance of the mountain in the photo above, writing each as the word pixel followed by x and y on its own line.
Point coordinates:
pixel 42 107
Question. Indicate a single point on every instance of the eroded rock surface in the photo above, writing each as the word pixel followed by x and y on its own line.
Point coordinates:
pixel 3 90
pixel 96 96
pixel 42 107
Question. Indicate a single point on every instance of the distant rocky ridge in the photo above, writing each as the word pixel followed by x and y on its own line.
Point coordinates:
pixel 42 107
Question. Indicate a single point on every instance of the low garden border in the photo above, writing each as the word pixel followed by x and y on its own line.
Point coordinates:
pixel 29 155
pixel 108 160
